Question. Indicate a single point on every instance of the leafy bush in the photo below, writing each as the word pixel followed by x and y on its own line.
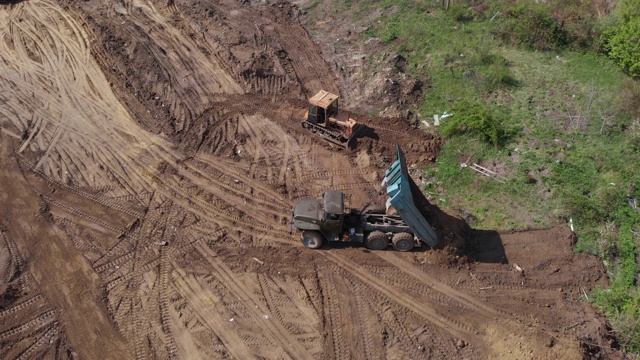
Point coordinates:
pixel 629 9
pixel 533 27
pixel 622 43
pixel 479 120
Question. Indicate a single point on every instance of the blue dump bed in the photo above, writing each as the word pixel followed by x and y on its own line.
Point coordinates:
pixel 401 198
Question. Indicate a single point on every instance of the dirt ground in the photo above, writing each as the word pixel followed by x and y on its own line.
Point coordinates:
pixel 150 154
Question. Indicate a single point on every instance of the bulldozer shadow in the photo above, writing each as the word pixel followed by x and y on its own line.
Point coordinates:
pixel 486 246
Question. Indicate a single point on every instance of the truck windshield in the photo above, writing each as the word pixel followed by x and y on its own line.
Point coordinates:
pixel 333 217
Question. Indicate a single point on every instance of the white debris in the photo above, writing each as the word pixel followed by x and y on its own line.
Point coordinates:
pixel 518 268
pixel 445 115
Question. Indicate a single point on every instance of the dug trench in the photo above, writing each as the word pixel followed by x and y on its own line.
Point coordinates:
pixel 151 156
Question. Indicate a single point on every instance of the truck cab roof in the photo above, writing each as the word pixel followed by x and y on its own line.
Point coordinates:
pixel 333 202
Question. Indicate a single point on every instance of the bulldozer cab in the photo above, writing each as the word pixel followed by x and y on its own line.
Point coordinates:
pixel 322 106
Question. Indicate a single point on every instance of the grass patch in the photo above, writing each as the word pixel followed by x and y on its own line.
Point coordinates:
pixel 534 67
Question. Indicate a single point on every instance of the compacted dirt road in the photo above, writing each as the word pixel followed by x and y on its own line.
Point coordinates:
pixel 151 153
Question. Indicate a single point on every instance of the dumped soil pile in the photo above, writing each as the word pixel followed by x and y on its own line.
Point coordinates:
pixel 151 155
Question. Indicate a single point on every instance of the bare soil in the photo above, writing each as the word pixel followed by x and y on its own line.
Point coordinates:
pixel 151 152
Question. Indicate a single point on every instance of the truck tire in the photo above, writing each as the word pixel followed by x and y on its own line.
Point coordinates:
pixel 312 239
pixel 403 241
pixel 377 240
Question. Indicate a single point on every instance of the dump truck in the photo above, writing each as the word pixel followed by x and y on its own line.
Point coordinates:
pixel 329 220
pixel 324 119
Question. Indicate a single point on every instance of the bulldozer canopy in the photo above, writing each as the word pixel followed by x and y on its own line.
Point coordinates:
pixel 323 99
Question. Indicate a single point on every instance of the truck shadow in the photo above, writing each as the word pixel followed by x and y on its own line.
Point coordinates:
pixel 486 246
pixel 10 2
pixel 348 245
pixel 363 132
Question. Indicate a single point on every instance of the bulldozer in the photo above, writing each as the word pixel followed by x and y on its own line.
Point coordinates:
pixel 323 119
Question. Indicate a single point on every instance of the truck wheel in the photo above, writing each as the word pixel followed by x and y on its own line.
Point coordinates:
pixel 312 239
pixel 403 241
pixel 377 240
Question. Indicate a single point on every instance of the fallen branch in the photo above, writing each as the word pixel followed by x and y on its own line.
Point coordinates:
pixel 574 325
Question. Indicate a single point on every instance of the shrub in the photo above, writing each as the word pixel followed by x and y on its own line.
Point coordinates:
pixel 533 27
pixel 479 120
pixel 629 9
pixel 622 44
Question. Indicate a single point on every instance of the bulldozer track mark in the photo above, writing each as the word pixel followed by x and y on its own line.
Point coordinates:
pixel 324 175
pixel 84 216
pixel 207 210
pixel 445 323
pixel 25 281
pixel 111 203
pixel 388 129
pixel 80 243
pixel 288 311
pixel 412 349
pixel 369 351
pixel 417 288
pixel 428 280
pixel 355 185
pixel 139 348
pixel 119 260
pixel 238 185
pixel 221 328
pixel 122 247
pixel 165 316
pixel 21 306
pixel 335 318
pixel 38 322
pixel 257 309
pixel 114 281
pixel 45 338
pixel 273 304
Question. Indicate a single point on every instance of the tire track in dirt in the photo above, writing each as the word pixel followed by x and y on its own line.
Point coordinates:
pixel 45 339
pixel 464 299
pixel 33 76
pixel 336 323
pixel 37 322
pixel 295 316
pixel 288 343
pixel 188 76
pixel 20 306
pixel 192 292
pixel 454 327
pixel 77 191
pixel 163 302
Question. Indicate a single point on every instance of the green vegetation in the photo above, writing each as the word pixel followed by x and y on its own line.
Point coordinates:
pixel 543 94
pixel 623 45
